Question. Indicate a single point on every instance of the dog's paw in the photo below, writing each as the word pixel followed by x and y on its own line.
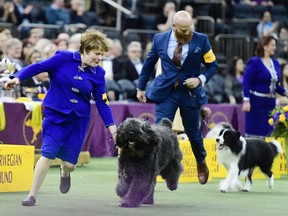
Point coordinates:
pixel 148 201
pixel 127 205
pixel 222 190
pixel 245 190
pixel 270 182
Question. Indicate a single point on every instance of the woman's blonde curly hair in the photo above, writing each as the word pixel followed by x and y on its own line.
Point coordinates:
pixel 92 39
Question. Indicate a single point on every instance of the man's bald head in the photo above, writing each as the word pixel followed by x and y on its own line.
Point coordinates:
pixel 182 18
pixel 182 26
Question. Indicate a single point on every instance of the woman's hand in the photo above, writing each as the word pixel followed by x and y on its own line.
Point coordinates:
pixel 113 131
pixel 11 83
pixel 246 106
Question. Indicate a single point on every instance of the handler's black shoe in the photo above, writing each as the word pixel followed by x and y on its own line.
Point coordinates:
pixel 65 183
pixel 29 201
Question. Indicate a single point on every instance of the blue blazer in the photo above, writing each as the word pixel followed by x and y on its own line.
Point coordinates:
pixel 72 87
pixel 199 52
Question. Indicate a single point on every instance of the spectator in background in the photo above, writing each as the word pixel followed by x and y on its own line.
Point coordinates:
pixel 32 56
pixel 190 10
pixel 258 2
pixel 23 12
pixel 38 84
pixel 41 43
pixel 283 100
pixel 78 14
pixel 26 47
pixel 282 46
pixel 266 26
pixel 215 89
pixel 74 42
pixel 114 70
pixel 62 44
pixel 35 34
pixel 57 14
pixel 133 64
pixel 49 50
pixel 7 31
pixel 132 68
pixel 163 21
pixel 233 80
pixel 7 12
pixel 13 51
pixel 2 43
pixel 260 85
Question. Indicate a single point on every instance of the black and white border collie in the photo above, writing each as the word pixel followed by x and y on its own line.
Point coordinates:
pixel 241 155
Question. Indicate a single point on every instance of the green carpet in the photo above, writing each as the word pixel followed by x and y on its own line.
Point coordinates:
pixel 93 193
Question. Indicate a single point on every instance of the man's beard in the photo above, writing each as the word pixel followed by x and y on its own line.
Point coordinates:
pixel 184 39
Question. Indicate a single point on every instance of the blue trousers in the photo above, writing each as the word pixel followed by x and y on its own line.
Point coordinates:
pixel 190 115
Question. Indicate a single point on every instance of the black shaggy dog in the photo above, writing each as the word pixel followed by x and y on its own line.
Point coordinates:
pixel 146 150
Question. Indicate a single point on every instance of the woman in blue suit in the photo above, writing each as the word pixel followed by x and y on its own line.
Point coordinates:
pixel 180 85
pixel 260 85
pixel 75 77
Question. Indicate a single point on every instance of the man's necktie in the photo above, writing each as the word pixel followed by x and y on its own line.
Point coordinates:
pixel 177 55
pixel 177 61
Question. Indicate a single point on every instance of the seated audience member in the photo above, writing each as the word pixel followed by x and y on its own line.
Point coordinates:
pixel 2 43
pixel 78 14
pixel 282 46
pixel 190 10
pixel 114 69
pixel 163 21
pixel 13 51
pixel 7 12
pixel 215 89
pixel 57 14
pixel 266 26
pixel 133 64
pixel 132 68
pixel 233 80
pixel 49 50
pixel 7 31
pixel 38 84
pixel 258 2
pixel 283 100
pixel 32 56
pixel 62 44
pixel 35 34
pixel 74 42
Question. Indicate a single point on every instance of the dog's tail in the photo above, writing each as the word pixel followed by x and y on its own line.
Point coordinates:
pixel 276 146
pixel 166 122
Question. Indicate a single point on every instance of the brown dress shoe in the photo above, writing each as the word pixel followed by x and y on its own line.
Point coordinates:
pixel 29 201
pixel 65 183
pixel 203 172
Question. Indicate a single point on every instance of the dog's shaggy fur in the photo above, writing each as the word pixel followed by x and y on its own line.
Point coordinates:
pixel 241 155
pixel 146 150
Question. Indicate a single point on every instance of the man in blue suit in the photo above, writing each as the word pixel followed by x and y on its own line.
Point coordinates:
pixel 180 85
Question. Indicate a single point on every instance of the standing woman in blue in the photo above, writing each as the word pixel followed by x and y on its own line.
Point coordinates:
pixel 181 82
pixel 75 78
pixel 260 85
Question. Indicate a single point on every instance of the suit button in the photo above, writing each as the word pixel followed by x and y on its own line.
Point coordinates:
pixel 75 90
pixel 77 77
pixel 73 101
